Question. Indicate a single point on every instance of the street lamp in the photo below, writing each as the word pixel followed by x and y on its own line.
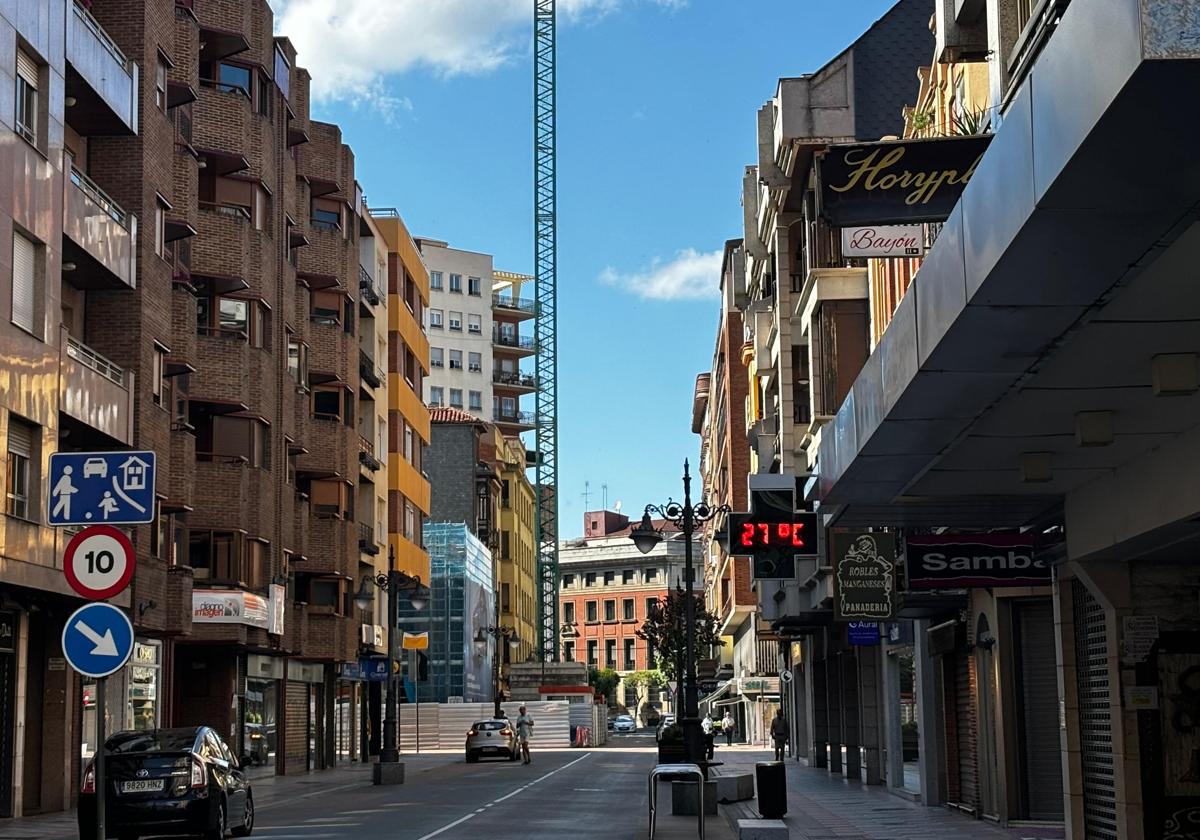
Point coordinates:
pixel 514 642
pixel 388 769
pixel 645 536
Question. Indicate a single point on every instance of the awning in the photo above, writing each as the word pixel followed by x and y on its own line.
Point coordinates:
pixel 221 43
pixel 320 187
pixel 177 229
pixel 218 284
pixel 179 93
pixel 711 699
pixel 222 162
pixel 205 405
pixel 318 282
pixel 178 367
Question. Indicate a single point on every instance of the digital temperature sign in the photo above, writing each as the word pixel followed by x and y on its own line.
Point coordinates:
pixel 773 541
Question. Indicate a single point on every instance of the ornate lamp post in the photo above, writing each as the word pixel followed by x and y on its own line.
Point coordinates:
pixel 388 770
pixel 498 633
pixel 645 536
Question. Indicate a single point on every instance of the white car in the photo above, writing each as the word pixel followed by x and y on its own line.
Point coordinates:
pixel 624 723
pixel 95 467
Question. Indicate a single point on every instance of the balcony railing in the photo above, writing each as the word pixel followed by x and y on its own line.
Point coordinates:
pixel 518 418
pixel 233 211
pixel 366 455
pixel 368 371
pixel 522 342
pixel 366 539
pixel 367 286
pixel 519 380
pixel 96 29
pixel 87 356
pixel 521 304
pixel 102 199
pixel 225 87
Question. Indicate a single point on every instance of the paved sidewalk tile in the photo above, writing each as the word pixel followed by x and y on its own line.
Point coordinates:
pixel 825 807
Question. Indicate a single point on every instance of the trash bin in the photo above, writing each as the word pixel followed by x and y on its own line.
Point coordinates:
pixel 771 782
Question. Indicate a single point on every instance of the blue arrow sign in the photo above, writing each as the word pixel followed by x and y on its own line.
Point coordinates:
pixel 95 488
pixel 97 639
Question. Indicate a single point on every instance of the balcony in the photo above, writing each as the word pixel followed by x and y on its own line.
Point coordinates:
pixel 520 345
pixel 366 539
pixel 522 308
pixel 523 382
pixel 523 419
pixel 99 237
pixel 366 455
pixel 95 391
pixel 370 374
pixel 367 287
pixel 103 82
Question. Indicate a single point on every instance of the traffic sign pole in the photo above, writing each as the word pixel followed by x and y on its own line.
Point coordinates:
pixel 98 761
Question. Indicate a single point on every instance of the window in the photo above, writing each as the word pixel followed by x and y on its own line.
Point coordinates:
pixel 630 657
pixel 475 400
pixel 435 280
pixel 436 357
pixel 326 594
pixel 215 556
pixel 506 503
pixel 22 445
pixel 568 581
pixel 24 278
pixel 475 362
pixel 508 406
pixel 233 78
pixel 456 321
pixel 27 97
pixel 435 319
pixel 474 286
pixel 610 653
pixel 158 375
pixel 327 403
pixel 435 395
pixel 591 652
pixel 160 228
pixel 474 324
pixel 243 439
pixel 568 651
pixel 160 85
pixel 651 574
pixel 627 576
pixel 456 283
pixel 505 598
pixel 298 362
pixel 456 397
pixel 408 443
pixel 455 360
pixel 160 534
pixel 326 215
pixel 589 579
pixel 264 101
pixel 627 611
pixel 610 578
pixel 569 612
pixel 651 606
pixel 610 610
pixel 590 611
pixel 410 521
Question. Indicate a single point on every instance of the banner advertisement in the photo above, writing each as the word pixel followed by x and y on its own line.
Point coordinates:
pixel 973 561
pixel 230 606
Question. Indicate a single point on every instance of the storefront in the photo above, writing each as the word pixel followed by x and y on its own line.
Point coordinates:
pixel 260 713
pixel 305 724
pixel 8 694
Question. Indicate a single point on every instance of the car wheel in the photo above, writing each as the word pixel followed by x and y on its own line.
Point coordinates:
pixel 217 832
pixel 247 825
pixel 472 758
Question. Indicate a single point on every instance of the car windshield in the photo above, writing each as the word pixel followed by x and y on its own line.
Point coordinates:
pixel 491 724
pixel 156 740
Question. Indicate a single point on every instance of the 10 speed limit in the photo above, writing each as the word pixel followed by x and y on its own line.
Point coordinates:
pixel 98 562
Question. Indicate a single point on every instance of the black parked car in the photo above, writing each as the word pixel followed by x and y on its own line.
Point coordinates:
pixel 168 781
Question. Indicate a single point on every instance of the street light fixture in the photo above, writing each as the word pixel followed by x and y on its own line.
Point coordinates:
pixel 645 536
pixel 389 770
pixel 514 642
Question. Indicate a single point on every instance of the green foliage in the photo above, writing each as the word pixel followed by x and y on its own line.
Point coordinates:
pixel 663 630
pixel 605 681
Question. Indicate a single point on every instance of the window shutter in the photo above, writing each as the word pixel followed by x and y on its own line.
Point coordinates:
pixel 27 69
pixel 20 438
pixel 23 274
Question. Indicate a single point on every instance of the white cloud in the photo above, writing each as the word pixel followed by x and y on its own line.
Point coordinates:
pixel 691 275
pixel 351 47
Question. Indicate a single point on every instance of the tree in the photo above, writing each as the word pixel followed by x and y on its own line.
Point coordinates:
pixel 641 682
pixel 605 681
pixel 663 630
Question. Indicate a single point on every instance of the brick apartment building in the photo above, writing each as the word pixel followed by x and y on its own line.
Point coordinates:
pixel 607 588
pixel 180 271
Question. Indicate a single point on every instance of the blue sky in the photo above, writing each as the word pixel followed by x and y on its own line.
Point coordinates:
pixel 656 104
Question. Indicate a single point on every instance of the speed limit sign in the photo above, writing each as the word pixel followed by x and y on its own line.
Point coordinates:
pixel 99 562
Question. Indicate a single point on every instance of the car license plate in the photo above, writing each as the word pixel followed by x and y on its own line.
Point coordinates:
pixel 142 786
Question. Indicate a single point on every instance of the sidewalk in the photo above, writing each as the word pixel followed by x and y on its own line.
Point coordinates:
pixel 269 792
pixel 823 806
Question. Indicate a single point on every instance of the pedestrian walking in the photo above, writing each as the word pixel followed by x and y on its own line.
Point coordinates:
pixel 707 726
pixel 524 733
pixel 779 734
pixel 727 726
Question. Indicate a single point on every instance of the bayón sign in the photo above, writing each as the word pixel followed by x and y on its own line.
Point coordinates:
pixel 864 576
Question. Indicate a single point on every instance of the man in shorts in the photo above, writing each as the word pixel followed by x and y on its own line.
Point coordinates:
pixel 524 726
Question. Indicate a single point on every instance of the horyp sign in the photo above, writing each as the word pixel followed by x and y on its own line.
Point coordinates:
pixel 967 561
pixel 864 576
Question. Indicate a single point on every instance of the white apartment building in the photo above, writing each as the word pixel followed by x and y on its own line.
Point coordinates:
pixel 459 326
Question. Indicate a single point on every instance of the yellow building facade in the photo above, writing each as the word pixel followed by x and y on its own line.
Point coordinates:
pixel 516 558
pixel 407 416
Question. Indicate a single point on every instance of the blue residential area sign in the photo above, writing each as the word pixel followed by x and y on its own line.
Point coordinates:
pixel 97 639
pixel 94 488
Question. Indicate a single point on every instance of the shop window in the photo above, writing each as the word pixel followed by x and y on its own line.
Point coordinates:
pixel 145 686
pixel 22 449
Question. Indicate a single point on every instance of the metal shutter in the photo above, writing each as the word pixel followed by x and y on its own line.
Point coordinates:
pixel 1095 716
pixel 20 437
pixel 24 252
pixel 27 69
pixel 964 717
pixel 1041 764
